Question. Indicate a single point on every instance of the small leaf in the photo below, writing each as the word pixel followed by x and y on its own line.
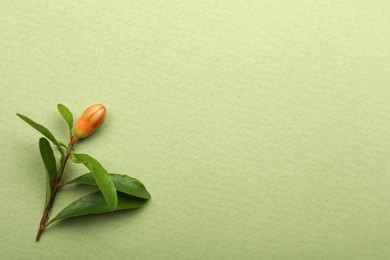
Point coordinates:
pixel 67 115
pixel 50 165
pixel 95 203
pixel 123 183
pixel 101 177
pixel 62 159
pixel 62 144
pixel 43 130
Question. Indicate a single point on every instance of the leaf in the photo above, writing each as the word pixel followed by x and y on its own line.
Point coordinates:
pixel 62 144
pixel 101 177
pixel 95 203
pixel 123 183
pixel 50 165
pixel 67 115
pixel 43 130
pixel 62 159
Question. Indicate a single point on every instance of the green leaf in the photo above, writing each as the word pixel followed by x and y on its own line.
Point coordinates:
pixel 43 130
pixel 62 159
pixel 67 115
pixel 123 183
pixel 50 165
pixel 62 144
pixel 95 203
pixel 101 176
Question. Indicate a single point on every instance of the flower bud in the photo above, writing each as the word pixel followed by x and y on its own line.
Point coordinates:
pixel 89 121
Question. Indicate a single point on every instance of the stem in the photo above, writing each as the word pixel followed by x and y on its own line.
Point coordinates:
pixel 56 186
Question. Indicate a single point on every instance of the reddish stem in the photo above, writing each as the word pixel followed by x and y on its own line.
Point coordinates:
pixel 56 187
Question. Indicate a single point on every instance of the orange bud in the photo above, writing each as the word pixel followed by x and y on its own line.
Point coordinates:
pixel 89 121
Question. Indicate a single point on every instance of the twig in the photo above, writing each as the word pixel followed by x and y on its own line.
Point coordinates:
pixel 56 187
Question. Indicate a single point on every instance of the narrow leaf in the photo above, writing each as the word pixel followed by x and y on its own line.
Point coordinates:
pixel 67 115
pixel 43 130
pixel 123 183
pixel 50 165
pixel 62 159
pixel 95 203
pixel 62 144
pixel 101 176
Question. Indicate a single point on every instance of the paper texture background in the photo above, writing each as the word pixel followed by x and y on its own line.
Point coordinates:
pixel 261 128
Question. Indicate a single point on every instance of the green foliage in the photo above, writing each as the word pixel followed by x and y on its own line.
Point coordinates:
pixel 50 165
pixel 67 115
pixel 43 130
pixel 46 132
pixel 103 180
pixel 116 191
pixel 123 183
pixel 95 203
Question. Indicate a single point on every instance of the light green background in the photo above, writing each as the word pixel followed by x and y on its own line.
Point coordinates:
pixel 261 128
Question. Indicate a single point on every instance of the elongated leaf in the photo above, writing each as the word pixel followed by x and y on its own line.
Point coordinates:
pixel 101 176
pixel 50 165
pixel 95 203
pixel 43 130
pixel 67 115
pixel 62 160
pixel 62 144
pixel 123 183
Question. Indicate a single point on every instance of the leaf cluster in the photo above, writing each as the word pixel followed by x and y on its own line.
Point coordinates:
pixel 115 191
